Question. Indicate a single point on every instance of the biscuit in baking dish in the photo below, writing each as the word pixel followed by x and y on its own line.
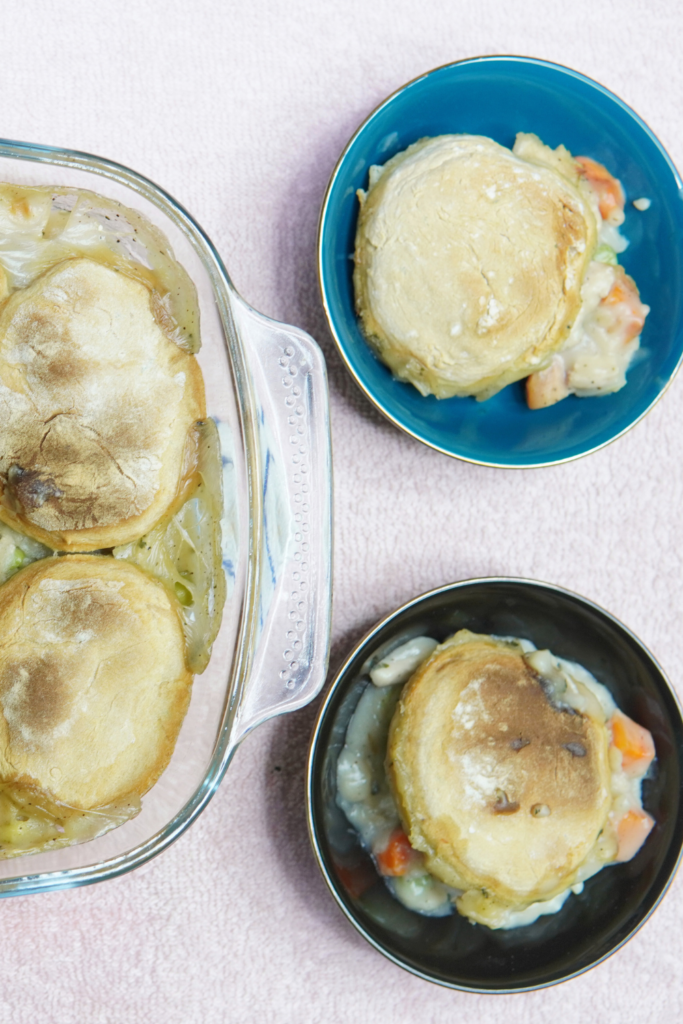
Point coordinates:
pixel 97 409
pixel 469 261
pixel 94 687
pixel 505 791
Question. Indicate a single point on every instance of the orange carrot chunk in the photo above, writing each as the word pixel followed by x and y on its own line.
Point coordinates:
pixel 357 879
pixel 608 190
pixel 398 856
pixel 632 831
pixel 546 387
pixel 629 312
pixel 635 743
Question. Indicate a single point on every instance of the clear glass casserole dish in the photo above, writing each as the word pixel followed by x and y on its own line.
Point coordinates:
pixel 266 389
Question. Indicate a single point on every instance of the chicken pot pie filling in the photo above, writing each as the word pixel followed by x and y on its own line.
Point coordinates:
pixel 99 389
pixel 104 442
pixel 495 781
pixel 184 552
pixel 476 266
pixel 94 686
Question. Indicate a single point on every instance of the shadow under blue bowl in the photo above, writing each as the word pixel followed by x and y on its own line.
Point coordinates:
pixel 498 97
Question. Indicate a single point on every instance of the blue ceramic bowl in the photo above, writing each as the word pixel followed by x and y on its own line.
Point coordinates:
pixel 498 97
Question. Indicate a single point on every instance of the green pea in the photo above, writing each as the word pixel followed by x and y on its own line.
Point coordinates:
pixel 606 254
pixel 18 559
pixel 183 595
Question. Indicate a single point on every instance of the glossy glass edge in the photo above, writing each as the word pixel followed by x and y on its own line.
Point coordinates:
pixel 328 527
pixel 311 818
pixel 321 275
pixel 223 289
pixel 318 618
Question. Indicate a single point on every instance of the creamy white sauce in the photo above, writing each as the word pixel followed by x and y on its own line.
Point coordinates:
pixel 598 352
pixel 518 918
pixel 573 685
pixel 609 234
pixel 364 794
pixel 595 355
pixel 399 665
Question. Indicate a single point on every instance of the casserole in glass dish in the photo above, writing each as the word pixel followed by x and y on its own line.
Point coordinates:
pixel 266 392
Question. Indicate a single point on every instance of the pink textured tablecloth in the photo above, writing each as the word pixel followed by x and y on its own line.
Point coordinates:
pixel 240 110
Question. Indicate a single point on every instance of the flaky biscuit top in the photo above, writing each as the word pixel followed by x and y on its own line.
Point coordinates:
pixel 469 260
pixel 504 790
pixel 93 679
pixel 97 409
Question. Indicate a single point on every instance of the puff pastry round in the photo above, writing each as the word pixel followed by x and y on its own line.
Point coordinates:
pixel 469 260
pixel 93 681
pixel 97 409
pixel 504 791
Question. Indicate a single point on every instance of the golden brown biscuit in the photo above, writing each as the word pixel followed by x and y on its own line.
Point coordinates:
pixel 93 681
pixel 505 791
pixel 97 410
pixel 469 261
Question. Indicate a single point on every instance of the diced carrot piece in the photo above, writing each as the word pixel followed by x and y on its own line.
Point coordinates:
pixel 632 831
pixel 624 289
pixel 635 743
pixel 624 298
pixel 398 856
pixel 616 294
pixel 607 188
pixel 592 170
pixel 546 387
pixel 358 879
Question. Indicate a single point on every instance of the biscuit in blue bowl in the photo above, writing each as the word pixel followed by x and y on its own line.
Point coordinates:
pixel 499 97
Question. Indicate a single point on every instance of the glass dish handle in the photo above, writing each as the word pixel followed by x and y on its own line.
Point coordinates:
pixel 294 569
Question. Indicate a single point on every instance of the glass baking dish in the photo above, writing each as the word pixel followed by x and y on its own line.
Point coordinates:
pixel 266 388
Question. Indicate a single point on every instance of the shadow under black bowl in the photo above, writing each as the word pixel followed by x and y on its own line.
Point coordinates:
pixel 614 903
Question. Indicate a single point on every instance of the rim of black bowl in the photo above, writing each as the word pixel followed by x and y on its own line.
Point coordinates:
pixel 492 58
pixel 320 740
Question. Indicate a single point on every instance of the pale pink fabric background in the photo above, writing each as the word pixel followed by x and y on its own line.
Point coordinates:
pixel 240 111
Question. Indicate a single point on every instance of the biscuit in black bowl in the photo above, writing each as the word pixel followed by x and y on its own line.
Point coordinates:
pixel 614 903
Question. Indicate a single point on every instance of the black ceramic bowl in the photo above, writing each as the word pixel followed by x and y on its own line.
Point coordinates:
pixel 614 904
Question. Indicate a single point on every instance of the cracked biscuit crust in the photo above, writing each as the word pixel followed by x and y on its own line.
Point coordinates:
pixel 469 261
pixel 97 410
pixel 503 790
pixel 93 681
